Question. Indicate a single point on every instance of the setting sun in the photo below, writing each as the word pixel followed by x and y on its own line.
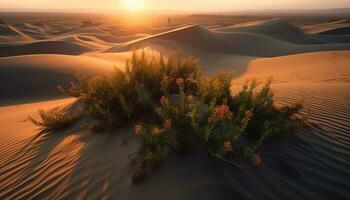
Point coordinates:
pixel 132 4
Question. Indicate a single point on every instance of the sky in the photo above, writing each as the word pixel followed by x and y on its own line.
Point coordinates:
pixel 178 5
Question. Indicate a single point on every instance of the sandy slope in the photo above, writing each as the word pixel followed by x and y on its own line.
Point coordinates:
pixel 76 164
pixel 314 67
pixel 236 42
pixel 277 28
pixel 326 27
pixel 10 33
pixel 37 76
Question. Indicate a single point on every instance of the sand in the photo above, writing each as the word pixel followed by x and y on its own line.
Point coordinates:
pixel 329 66
pixel 307 62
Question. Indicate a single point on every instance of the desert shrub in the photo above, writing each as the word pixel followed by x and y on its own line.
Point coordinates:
pixel 260 103
pixel 175 107
pixel 54 120
pixel 217 88
pixel 126 95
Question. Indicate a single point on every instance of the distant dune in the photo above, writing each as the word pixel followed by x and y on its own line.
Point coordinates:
pixel 312 67
pixel 37 76
pixel 237 41
pixel 9 33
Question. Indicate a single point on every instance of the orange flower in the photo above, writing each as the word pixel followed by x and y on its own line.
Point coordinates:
pixel 222 112
pixel 190 98
pixel 167 123
pixel 248 114
pixel 155 131
pixel 138 130
pixel 256 159
pixel 164 101
pixel 228 146
pixel 180 82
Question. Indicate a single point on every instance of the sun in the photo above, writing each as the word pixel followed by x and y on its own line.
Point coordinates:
pixel 132 4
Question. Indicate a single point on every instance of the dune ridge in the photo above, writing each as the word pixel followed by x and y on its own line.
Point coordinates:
pixel 235 42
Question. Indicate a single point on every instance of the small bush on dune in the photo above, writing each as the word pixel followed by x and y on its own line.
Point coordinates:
pixel 174 106
pixel 53 120
pixel 130 94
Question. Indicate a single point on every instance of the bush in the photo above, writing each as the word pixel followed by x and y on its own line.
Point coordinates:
pixel 53 120
pixel 174 106
pixel 130 94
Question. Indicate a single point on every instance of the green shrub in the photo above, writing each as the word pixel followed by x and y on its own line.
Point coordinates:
pixel 127 95
pixel 175 106
pixel 54 120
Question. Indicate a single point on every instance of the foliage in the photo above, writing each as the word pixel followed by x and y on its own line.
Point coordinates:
pixel 128 95
pixel 54 120
pixel 174 106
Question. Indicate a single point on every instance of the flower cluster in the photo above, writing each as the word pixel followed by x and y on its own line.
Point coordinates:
pixel 164 101
pixel 228 147
pixel 256 159
pixel 221 112
pixel 138 130
pixel 155 131
pixel 248 114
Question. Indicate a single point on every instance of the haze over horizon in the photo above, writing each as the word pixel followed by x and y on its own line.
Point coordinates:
pixel 181 5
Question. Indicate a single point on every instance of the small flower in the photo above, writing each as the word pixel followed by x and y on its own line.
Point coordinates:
pixel 228 146
pixel 190 98
pixel 167 123
pixel 248 114
pixel 138 130
pixel 180 82
pixel 222 112
pixel 164 101
pixel 155 131
pixel 256 159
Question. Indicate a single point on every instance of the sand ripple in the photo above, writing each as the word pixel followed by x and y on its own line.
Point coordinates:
pixel 315 162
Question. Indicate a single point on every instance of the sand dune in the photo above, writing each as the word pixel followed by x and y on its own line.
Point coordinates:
pixel 314 67
pixel 31 77
pixel 325 27
pixel 9 33
pixel 239 43
pixel 337 31
pixel 277 29
pixel 310 62
pixel 75 164
pixel 42 47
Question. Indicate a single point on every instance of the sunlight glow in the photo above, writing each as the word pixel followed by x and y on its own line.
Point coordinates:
pixel 133 4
